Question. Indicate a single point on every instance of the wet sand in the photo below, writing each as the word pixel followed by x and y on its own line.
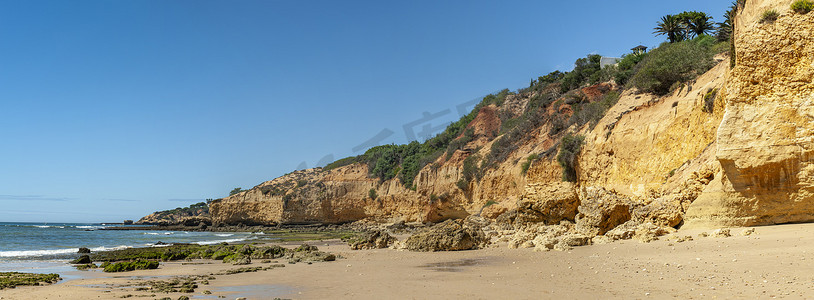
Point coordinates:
pixel 775 261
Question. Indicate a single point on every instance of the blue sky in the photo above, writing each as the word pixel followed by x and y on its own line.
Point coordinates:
pixel 110 110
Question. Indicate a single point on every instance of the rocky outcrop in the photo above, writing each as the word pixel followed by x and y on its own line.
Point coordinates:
pixel 451 235
pixel 376 239
pixel 766 138
pixel 194 215
pixel 601 211
pixel 548 203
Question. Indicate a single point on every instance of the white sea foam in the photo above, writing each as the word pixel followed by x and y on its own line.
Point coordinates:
pixel 219 241
pixel 225 234
pixel 151 233
pixel 90 227
pixel 35 253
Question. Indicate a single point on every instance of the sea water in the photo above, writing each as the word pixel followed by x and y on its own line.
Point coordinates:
pixel 47 247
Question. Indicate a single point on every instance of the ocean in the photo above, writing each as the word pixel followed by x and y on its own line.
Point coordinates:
pixel 47 247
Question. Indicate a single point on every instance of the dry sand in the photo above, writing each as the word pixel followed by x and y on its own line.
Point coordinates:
pixel 775 261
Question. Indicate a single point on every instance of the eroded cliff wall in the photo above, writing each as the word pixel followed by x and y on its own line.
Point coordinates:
pixel 766 137
pixel 745 160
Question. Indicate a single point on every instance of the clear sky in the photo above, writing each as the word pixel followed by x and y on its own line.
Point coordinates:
pixel 110 110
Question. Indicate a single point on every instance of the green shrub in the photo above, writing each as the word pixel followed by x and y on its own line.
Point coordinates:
pixel 586 71
pixel 569 150
pixel 673 62
pixel 470 168
pixel 372 194
pixel 802 6
pixel 236 191
pixel 769 16
pixel 301 182
pixel 459 143
pixel 344 162
pixel 525 166
pixel 591 113
pixel 709 100
pixel 462 184
pixel 131 266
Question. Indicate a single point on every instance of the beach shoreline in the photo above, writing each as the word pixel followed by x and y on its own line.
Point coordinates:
pixel 772 262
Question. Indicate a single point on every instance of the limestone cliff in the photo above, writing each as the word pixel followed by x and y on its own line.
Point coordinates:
pixel 766 137
pixel 662 161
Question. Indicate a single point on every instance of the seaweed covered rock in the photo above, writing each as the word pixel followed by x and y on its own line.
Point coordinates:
pixel 451 235
pixel 83 250
pixel 126 266
pixel 268 252
pixel 308 253
pixel 376 239
pixel 84 259
pixel 14 279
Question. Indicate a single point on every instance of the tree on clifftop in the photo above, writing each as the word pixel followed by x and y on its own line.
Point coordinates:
pixel 235 191
pixel 672 27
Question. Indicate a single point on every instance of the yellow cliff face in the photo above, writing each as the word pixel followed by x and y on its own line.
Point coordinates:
pixel 766 137
pixel 667 160
pixel 642 139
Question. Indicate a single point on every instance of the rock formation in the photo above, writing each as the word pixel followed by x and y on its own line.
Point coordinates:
pixel 649 165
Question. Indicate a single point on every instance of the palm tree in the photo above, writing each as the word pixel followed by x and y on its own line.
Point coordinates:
pixel 671 26
pixel 700 24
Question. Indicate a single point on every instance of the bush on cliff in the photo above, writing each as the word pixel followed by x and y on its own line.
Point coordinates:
pixel 802 6
pixel 405 161
pixel 569 150
pixel 673 63
pixel 586 71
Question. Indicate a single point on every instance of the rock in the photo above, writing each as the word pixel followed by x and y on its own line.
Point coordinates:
pixel 505 221
pixel 128 222
pixel 601 240
pixel 493 211
pixel 560 243
pixel 600 211
pixel 246 250
pixel 721 233
pixel 242 260
pixel 643 233
pixel 306 248
pixel 183 298
pixel 548 203
pixel 575 240
pixel 747 232
pixel 84 259
pixel 83 250
pixel 399 225
pixel 376 239
pixel 451 235
pixel 764 139
pixel 268 252
pixel 649 232
pixel 664 211
pixel 473 221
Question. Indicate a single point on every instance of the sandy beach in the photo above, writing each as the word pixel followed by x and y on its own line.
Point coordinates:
pixel 775 261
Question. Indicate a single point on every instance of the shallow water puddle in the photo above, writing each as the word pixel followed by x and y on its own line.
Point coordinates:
pixel 455 265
